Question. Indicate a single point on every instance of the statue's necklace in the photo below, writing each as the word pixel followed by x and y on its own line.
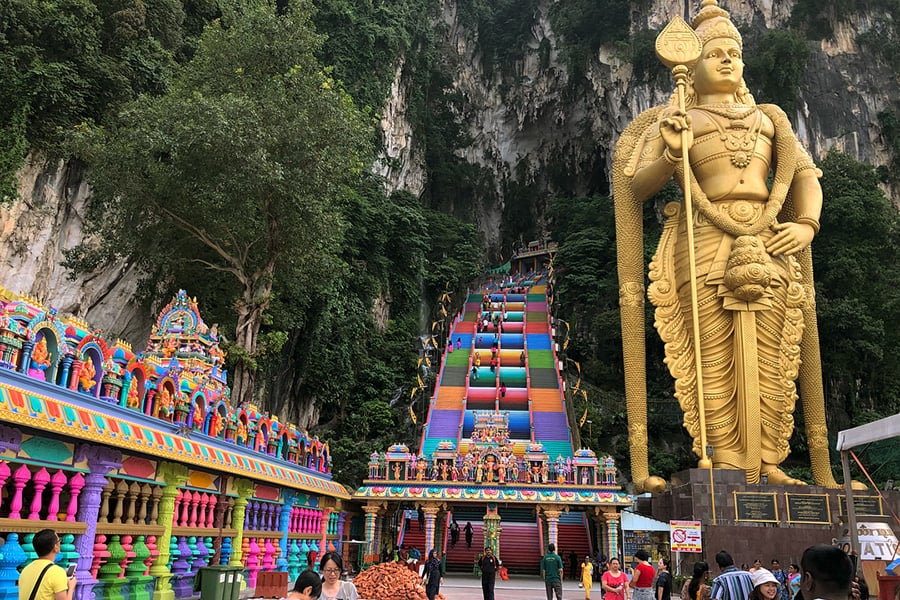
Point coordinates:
pixel 738 137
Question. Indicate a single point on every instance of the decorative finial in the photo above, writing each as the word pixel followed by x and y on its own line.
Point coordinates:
pixel 714 22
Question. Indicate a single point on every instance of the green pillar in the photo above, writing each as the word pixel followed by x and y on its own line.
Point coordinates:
pixel 244 489
pixel 174 475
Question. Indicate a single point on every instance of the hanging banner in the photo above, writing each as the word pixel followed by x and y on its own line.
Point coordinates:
pixel 685 536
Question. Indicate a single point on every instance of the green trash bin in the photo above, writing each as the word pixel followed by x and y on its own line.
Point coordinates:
pixel 212 583
pixel 233 578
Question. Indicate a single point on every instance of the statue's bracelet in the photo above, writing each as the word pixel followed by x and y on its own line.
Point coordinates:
pixel 669 158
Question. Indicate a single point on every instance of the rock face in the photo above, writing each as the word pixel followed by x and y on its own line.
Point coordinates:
pixel 526 122
pixel 46 221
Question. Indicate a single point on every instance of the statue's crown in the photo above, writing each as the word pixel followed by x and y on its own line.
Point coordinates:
pixel 714 22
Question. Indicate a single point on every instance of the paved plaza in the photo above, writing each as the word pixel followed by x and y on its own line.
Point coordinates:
pixel 518 587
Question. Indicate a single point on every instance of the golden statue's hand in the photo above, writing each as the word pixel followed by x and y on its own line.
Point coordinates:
pixel 790 238
pixel 675 121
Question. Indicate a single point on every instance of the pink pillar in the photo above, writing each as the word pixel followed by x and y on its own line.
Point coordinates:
pixel 186 497
pixel 4 475
pixel 176 513
pixel 76 484
pixel 57 482
pixel 195 500
pixel 204 504
pixel 40 479
pixel 211 515
pixel 20 478
pixel 253 562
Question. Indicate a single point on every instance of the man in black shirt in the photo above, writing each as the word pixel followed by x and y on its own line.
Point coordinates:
pixel 488 565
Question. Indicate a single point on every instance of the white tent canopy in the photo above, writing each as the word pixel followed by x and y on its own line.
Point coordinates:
pixel 870 432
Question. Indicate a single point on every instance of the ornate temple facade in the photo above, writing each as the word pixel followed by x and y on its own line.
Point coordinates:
pixel 142 465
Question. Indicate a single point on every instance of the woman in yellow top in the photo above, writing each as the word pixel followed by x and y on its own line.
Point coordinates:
pixel 587 576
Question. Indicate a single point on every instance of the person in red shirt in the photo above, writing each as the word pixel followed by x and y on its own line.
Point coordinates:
pixel 642 580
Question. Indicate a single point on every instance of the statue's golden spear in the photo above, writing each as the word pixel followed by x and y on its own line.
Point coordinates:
pixel 678 46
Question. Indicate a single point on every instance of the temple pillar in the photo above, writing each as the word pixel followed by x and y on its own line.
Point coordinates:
pixel 430 510
pixel 174 475
pixel 551 513
pixel 371 514
pixel 612 533
pixel 492 529
pixel 100 460
pixel 27 347
pixel 244 489
pixel 326 519
pixel 284 527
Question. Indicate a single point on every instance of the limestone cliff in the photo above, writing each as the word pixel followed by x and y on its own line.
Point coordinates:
pixel 530 123
pixel 530 118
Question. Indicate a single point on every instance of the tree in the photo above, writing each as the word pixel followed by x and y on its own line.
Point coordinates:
pixel 238 171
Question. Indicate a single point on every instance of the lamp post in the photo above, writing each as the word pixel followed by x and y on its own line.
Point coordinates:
pixel 712 488
pixel 590 429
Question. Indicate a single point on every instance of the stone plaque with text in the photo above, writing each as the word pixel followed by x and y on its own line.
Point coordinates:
pixel 808 508
pixel 864 505
pixel 756 507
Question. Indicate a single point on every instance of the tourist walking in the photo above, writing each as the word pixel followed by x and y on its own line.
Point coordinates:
pixel 662 589
pixel 587 577
pixel 614 582
pixel 794 579
pixel 765 586
pixel 433 576
pixel 488 565
pixel 42 579
pixel 454 533
pixel 732 583
pixel 573 565
pixel 468 531
pixel 827 573
pixel 695 588
pixel 642 579
pixel 552 572
pixel 781 577
pixel 333 587
pixel 307 587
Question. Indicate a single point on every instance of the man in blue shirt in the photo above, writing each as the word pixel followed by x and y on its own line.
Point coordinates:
pixel 732 583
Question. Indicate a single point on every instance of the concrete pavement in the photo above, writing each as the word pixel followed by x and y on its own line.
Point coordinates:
pixel 518 587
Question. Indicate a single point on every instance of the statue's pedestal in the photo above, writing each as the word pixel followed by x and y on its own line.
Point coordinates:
pixel 758 521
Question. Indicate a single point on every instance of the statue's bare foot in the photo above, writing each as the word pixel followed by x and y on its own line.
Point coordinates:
pixel 858 485
pixel 652 484
pixel 778 477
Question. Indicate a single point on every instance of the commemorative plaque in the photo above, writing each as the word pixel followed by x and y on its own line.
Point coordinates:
pixel 755 507
pixel 808 508
pixel 867 506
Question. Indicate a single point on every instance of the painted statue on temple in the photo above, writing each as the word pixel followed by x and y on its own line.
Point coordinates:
pixel 751 293
pixel 86 376
pixel 40 360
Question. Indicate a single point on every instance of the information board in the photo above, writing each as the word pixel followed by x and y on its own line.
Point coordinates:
pixel 685 536
pixel 808 508
pixel 756 507
pixel 864 505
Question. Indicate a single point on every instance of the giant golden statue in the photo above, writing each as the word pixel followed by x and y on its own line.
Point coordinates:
pixel 736 277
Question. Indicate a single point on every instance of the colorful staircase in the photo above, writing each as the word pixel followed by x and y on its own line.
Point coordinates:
pixel 527 369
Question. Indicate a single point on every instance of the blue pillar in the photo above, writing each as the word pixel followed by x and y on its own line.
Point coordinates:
pixel 284 523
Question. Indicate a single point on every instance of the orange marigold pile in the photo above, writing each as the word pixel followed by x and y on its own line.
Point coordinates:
pixel 389 581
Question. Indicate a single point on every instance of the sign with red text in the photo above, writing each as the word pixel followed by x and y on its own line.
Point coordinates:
pixel 685 536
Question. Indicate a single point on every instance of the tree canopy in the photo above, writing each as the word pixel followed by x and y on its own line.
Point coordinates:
pixel 238 170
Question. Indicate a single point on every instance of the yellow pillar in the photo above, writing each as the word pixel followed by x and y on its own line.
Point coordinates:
pixel 371 514
pixel 175 476
pixel 612 534
pixel 244 489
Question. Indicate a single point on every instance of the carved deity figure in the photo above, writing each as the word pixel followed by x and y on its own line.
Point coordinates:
pixel 133 400
pixel 166 404
pixel 86 376
pixel 753 269
pixel 40 360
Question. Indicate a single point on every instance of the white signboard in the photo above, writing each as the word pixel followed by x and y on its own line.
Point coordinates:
pixel 685 536
pixel 876 541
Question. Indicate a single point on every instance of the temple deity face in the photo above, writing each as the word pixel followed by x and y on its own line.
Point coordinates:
pixel 720 69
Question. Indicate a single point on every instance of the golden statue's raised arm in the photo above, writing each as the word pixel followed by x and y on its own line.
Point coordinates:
pixel 733 305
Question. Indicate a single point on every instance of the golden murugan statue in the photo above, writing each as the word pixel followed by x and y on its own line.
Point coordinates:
pixel 746 280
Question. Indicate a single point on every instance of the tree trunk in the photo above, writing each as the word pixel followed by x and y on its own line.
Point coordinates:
pixel 253 303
